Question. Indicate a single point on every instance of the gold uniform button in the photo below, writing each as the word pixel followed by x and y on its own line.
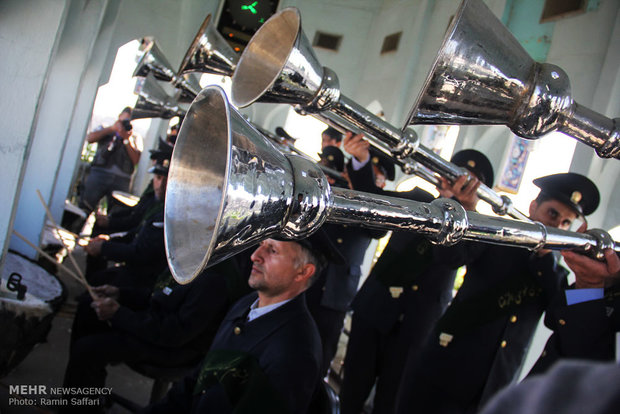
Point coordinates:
pixel 237 330
pixel 539 273
pixel 513 318
pixel 415 287
pixel 544 353
pixel 562 322
pixel 503 344
pixel 339 240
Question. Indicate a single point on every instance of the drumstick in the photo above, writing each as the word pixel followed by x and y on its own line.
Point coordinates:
pixel 51 218
pixel 65 268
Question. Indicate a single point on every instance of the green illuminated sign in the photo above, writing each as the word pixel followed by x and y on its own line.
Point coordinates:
pixel 250 7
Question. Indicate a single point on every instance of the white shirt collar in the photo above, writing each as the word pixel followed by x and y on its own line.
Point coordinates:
pixel 255 311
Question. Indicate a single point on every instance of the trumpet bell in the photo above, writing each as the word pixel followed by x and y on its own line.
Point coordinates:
pixel 480 75
pixel 228 188
pixel 154 61
pixel 278 64
pixel 154 102
pixel 209 53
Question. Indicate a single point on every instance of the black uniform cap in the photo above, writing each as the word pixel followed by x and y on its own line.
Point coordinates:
pixel 476 162
pixel 575 190
pixel 162 161
pixel 332 157
pixel 163 150
pixel 283 134
pixel 333 133
pixel 321 245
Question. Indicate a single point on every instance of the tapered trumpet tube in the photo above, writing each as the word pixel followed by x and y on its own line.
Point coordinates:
pixel 153 61
pixel 287 148
pixel 482 75
pixel 229 188
pixel 209 53
pixel 278 65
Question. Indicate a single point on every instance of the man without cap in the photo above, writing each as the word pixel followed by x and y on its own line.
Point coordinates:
pixel 117 154
pixel 407 290
pixel 267 352
pixel 478 345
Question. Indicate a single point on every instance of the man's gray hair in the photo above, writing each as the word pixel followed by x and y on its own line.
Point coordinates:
pixel 309 256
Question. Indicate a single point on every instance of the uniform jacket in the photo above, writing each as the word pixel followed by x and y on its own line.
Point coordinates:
pixel 179 316
pixel 128 218
pixel 145 255
pixel 585 330
pixel 286 344
pixel 490 323
pixel 340 282
pixel 411 273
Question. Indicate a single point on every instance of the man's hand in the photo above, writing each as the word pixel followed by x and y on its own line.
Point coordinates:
pixel 121 131
pixel 463 189
pixel 93 247
pixel 105 308
pixel 590 273
pixel 357 146
pixel 107 291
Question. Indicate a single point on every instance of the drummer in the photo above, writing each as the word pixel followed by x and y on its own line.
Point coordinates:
pixel 142 251
pixel 130 217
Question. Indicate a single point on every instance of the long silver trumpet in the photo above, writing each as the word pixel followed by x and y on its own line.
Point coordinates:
pixel 229 188
pixel 154 102
pixel 280 139
pixel 209 53
pixel 278 65
pixel 153 61
pixel 482 75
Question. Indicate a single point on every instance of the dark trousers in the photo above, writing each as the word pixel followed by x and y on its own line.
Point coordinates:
pixel 95 345
pixel 371 356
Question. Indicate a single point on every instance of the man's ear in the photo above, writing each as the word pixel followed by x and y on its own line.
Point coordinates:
pixel 305 272
pixel 533 207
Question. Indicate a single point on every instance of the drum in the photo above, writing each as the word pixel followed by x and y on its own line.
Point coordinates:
pixel 29 299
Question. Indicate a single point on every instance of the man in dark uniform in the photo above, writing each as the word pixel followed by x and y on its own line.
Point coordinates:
pixel 406 292
pixel 267 352
pixel 584 321
pixel 575 386
pixel 479 343
pixel 128 219
pixel 143 251
pixel 331 137
pixel 330 296
pixel 169 328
